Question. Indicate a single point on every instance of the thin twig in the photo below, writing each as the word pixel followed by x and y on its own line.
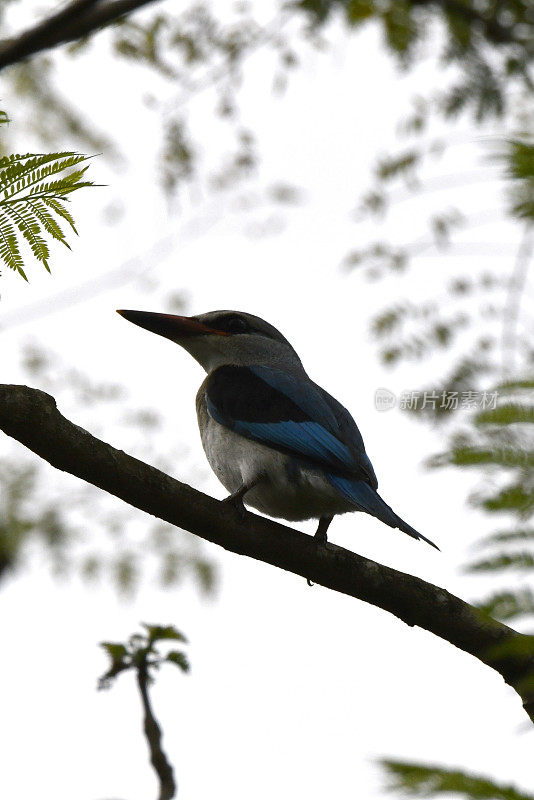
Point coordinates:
pixel 158 759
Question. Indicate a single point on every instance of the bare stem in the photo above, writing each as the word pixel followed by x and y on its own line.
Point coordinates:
pixel 158 759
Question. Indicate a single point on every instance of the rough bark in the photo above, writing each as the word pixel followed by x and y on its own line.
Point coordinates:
pixel 31 417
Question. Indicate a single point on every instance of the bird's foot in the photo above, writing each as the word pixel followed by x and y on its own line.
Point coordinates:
pixel 236 500
pixel 237 504
pixel 320 534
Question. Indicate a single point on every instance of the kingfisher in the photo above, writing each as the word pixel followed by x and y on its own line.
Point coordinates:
pixel 276 440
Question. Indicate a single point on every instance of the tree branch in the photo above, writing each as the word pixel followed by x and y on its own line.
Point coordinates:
pixel 76 20
pixel 31 417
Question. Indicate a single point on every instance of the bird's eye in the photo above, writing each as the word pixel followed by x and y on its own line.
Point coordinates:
pixel 236 325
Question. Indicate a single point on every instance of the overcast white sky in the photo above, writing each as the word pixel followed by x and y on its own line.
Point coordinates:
pixel 293 690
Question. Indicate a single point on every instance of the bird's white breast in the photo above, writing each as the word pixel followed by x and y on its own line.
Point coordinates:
pixel 285 489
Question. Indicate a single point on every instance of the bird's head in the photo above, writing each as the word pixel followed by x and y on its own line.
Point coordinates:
pixel 218 338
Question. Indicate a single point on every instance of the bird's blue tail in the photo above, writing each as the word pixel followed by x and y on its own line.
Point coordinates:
pixel 366 499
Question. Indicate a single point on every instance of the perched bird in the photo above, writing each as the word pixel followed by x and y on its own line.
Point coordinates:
pixel 274 438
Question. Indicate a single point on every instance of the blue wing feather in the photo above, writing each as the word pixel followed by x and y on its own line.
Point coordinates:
pixel 308 439
pixel 366 499
pixel 289 414
pixel 304 394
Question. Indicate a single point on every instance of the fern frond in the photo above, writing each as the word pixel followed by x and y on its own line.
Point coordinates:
pixel 9 247
pixel 47 220
pixel 60 187
pixel 421 780
pixel 22 173
pixel 30 229
pixel 16 167
pixel 14 158
pixel 56 203
pixel 33 192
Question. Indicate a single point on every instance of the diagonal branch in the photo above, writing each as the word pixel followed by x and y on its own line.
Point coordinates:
pixel 32 417
pixel 77 19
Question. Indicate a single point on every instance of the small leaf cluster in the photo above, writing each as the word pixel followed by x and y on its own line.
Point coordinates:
pixel 489 43
pixel 140 653
pixel 34 194
pixel 411 331
pixel 417 330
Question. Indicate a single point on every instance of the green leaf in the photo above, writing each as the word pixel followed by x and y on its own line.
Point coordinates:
pixel 205 574
pixel 506 537
pixel 507 414
pixel 359 11
pixel 115 650
pixel 392 167
pixel 517 497
pixel 9 247
pixel 56 203
pixel 501 456
pixel 520 561
pixel 508 605
pixel 121 661
pixel 179 659
pixel 164 632
pixel 400 28
pixel 22 172
pixel 417 780
pixel 47 220
pixel 30 230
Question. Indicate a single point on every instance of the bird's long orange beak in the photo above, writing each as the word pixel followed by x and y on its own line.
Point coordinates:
pixel 168 325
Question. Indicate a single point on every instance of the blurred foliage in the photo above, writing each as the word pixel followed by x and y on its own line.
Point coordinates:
pixel 74 526
pixel 20 517
pixel 461 316
pixel 33 198
pixel 518 159
pixel 484 51
pixel 416 780
pixel 498 442
pixel 44 110
pixel 490 419
pixel 141 651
